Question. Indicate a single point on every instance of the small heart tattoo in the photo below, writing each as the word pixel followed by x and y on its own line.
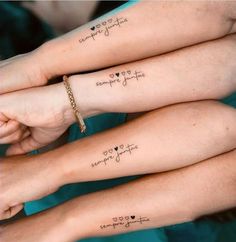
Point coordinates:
pixel 121 146
pixel 114 219
pixel 105 153
pixel 116 148
pixel 104 23
pixel 117 74
pixel 127 217
pixel 110 20
pixel 111 75
pixel 98 25
pixel 110 151
pixel 93 28
pixel 133 217
pixel 123 73
pixel 121 218
pixel 129 72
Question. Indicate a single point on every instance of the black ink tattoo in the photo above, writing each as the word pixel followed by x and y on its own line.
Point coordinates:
pixel 122 78
pixel 103 28
pixel 115 154
pixel 125 221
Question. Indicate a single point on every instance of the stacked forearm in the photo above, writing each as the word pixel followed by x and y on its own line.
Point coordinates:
pixel 152 201
pixel 159 200
pixel 204 71
pixel 142 30
pixel 162 140
pixel 165 139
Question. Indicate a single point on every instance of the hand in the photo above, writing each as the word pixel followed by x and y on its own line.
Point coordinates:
pixel 45 110
pixel 26 178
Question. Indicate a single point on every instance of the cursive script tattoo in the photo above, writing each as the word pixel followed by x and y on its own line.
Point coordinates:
pixel 104 28
pixel 122 78
pixel 115 154
pixel 125 222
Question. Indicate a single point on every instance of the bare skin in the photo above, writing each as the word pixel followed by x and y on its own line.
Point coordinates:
pixel 204 71
pixel 147 32
pixel 163 199
pixel 206 21
pixel 165 139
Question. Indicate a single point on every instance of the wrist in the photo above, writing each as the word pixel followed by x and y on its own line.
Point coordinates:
pixel 64 163
pixel 78 221
pixel 64 103
pixel 56 165
pixel 84 89
pixel 85 95
pixel 40 59
pixel 48 57
pixel 51 173
pixel 54 56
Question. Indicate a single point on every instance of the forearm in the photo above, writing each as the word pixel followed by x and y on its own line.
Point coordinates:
pixel 160 200
pixel 141 30
pixel 165 139
pixel 204 71
pixel 149 144
pixel 144 30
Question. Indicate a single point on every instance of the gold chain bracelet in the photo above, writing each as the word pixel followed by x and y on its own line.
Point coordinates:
pixel 75 108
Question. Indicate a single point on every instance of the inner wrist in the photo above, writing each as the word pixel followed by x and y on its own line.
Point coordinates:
pixel 46 54
pixel 65 105
pixel 54 57
pixel 86 98
pixel 77 215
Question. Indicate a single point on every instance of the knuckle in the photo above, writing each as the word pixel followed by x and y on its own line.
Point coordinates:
pixel 17 136
pixel 16 125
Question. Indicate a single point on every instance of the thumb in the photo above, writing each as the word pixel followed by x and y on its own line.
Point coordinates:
pixel 26 145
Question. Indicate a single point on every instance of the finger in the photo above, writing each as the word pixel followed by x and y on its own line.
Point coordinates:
pixel 12 211
pixel 8 128
pixel 2 63
pixel 22 127
pixel 9 60
pixel 15 137
pixel 26 134
pixel 5 62
pixel 23 147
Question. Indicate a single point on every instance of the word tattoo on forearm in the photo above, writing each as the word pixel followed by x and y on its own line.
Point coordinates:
pixel 125 222
pixel 115 154
pixel 103 28
pixel 122 78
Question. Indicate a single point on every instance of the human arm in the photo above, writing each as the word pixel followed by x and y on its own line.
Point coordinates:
pixel 163 199
pixel 204 71
pixel 151 28
pixel 165 139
